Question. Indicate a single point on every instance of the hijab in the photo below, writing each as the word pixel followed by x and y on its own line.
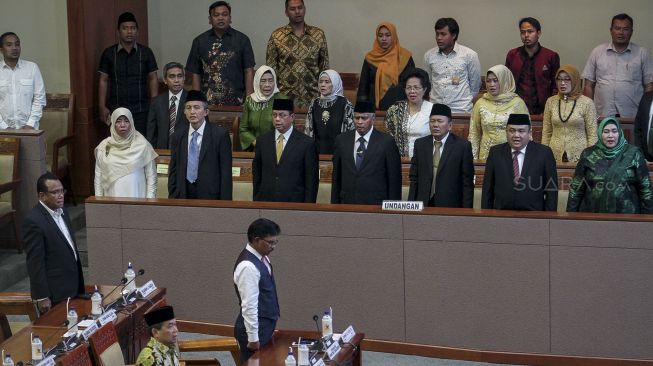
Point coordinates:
pixel 576 90
pixel 604 151
pixel 336 82
pixel 258 96
pixel 506 84
pixel 389 63
pixel 123 155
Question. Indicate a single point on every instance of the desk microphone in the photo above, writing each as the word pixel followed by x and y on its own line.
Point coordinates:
pixel 122 283
pixel 138 274
pixel 319 345
pixel 62 325
pixel 65 341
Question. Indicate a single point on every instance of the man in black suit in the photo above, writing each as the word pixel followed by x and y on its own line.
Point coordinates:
pixel 644 125
pixel 366 163
pixel 165 116
pixel 446 157
pixel 55 271
pixel 200 161
pixel 520 174
pixel 285 166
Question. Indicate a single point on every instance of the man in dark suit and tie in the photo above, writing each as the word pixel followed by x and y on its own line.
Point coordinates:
pixel 165 116
pixel 442 167
pixel 200 161
pixel 366 163
pixel 644 125
pixel 55 271
pixel 285 166
pixel 520 174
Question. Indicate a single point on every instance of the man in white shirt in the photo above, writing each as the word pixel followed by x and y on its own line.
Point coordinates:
pixel 55 271
pixel 455 69
pixel 22 92
pixel 256 289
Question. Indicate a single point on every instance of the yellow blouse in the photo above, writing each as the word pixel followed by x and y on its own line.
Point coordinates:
pixel 487 126
pixel 573 136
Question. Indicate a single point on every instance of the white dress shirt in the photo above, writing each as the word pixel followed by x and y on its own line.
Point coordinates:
pixel 520 157
pixel 455 78
pixel 22 95
pixel 443 141
pixel 286 136
pixel 57 216
pixel 200 132
pixel 367 141
pixel 246 278
pixel 178 95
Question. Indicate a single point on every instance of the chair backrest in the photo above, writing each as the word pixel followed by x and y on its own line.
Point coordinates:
pixel 5 330
pixel 57 123
pixel 106 348
pixel 77 357
pixel 9 148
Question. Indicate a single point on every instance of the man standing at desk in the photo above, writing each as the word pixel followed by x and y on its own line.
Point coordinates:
pixel 255 288
pixel 55 271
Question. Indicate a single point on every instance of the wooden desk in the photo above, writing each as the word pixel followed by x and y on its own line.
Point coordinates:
pixel 130 326
pixel 275 352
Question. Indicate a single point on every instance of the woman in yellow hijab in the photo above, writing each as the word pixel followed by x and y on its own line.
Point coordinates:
pixel 383 68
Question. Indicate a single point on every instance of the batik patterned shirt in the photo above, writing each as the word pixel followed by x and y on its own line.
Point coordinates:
pixel 156 353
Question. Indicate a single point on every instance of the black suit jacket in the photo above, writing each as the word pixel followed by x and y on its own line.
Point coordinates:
pixel 641 123
pixel 538 187
pixel 295 178
pixel 380 175
pixel 455 180
pixel 158 120
pixel 53 271
pixel 214 170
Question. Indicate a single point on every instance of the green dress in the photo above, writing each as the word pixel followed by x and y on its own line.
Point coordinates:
pixel 256 120
pixel 156 353
pixel 618 185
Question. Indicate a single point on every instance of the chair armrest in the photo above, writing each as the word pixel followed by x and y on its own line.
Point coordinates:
pixel 58 144
pixel 9 186
pixel 211 344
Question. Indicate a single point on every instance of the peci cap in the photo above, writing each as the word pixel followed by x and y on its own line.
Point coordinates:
pixel 159 315
pixel 519 119
pixel 364 107
pixel 126 17
pixel 195 96
pixel 441 110
pixel 283 105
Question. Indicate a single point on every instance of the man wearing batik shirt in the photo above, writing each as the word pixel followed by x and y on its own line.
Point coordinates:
pixel 298 53
pixel 161 350
pixel 533 66
pixel 221 60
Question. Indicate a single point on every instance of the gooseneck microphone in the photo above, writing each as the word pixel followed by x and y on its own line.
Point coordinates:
pixel 319 345
pixel 123 283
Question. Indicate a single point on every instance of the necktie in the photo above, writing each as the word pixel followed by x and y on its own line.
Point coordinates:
pixel 193 159
pixel 173 114
pixel 515 167
pixel 650 137
pixel 436 163
pixel 279 147
pixel 360 152
pixel 266 261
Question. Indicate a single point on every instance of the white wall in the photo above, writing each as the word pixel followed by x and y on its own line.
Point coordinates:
pixel 42 27
pixel 571 27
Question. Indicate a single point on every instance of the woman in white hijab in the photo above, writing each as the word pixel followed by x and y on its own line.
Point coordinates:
pixel 257 109
pixel 330 114
pixel 125 162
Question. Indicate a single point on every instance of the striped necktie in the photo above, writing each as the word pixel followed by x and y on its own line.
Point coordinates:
pixel 173 114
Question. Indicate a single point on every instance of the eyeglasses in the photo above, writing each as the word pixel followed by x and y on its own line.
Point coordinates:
pixel 413 88
pixel 560 80
pixel 272 243
pixel 58 192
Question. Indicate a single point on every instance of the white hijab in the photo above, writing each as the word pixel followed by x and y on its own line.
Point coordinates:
pixel 257 95
pixel 336 82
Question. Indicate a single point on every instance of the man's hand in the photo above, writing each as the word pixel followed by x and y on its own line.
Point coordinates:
pixel 26 127
pixel 253 346
pixel 104 115
pixel 44 305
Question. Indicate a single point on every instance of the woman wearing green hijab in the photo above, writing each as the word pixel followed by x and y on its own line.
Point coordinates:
pixel 611 176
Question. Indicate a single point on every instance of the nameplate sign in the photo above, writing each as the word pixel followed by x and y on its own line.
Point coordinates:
pixel 162 169
pixel 147 288
pixel 49 361
pixel 88 332
pixel 235 171
pixel 108 317
pixel 317 361
pixel 404 206
pixel 333 350
pixel 348 334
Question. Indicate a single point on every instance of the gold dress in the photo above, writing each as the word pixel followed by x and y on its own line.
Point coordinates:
pixel 574 135
pixel 487 126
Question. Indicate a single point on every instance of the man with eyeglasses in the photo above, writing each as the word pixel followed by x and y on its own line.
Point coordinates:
pixel 285 165
pixel 255 288
pixel 55 271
